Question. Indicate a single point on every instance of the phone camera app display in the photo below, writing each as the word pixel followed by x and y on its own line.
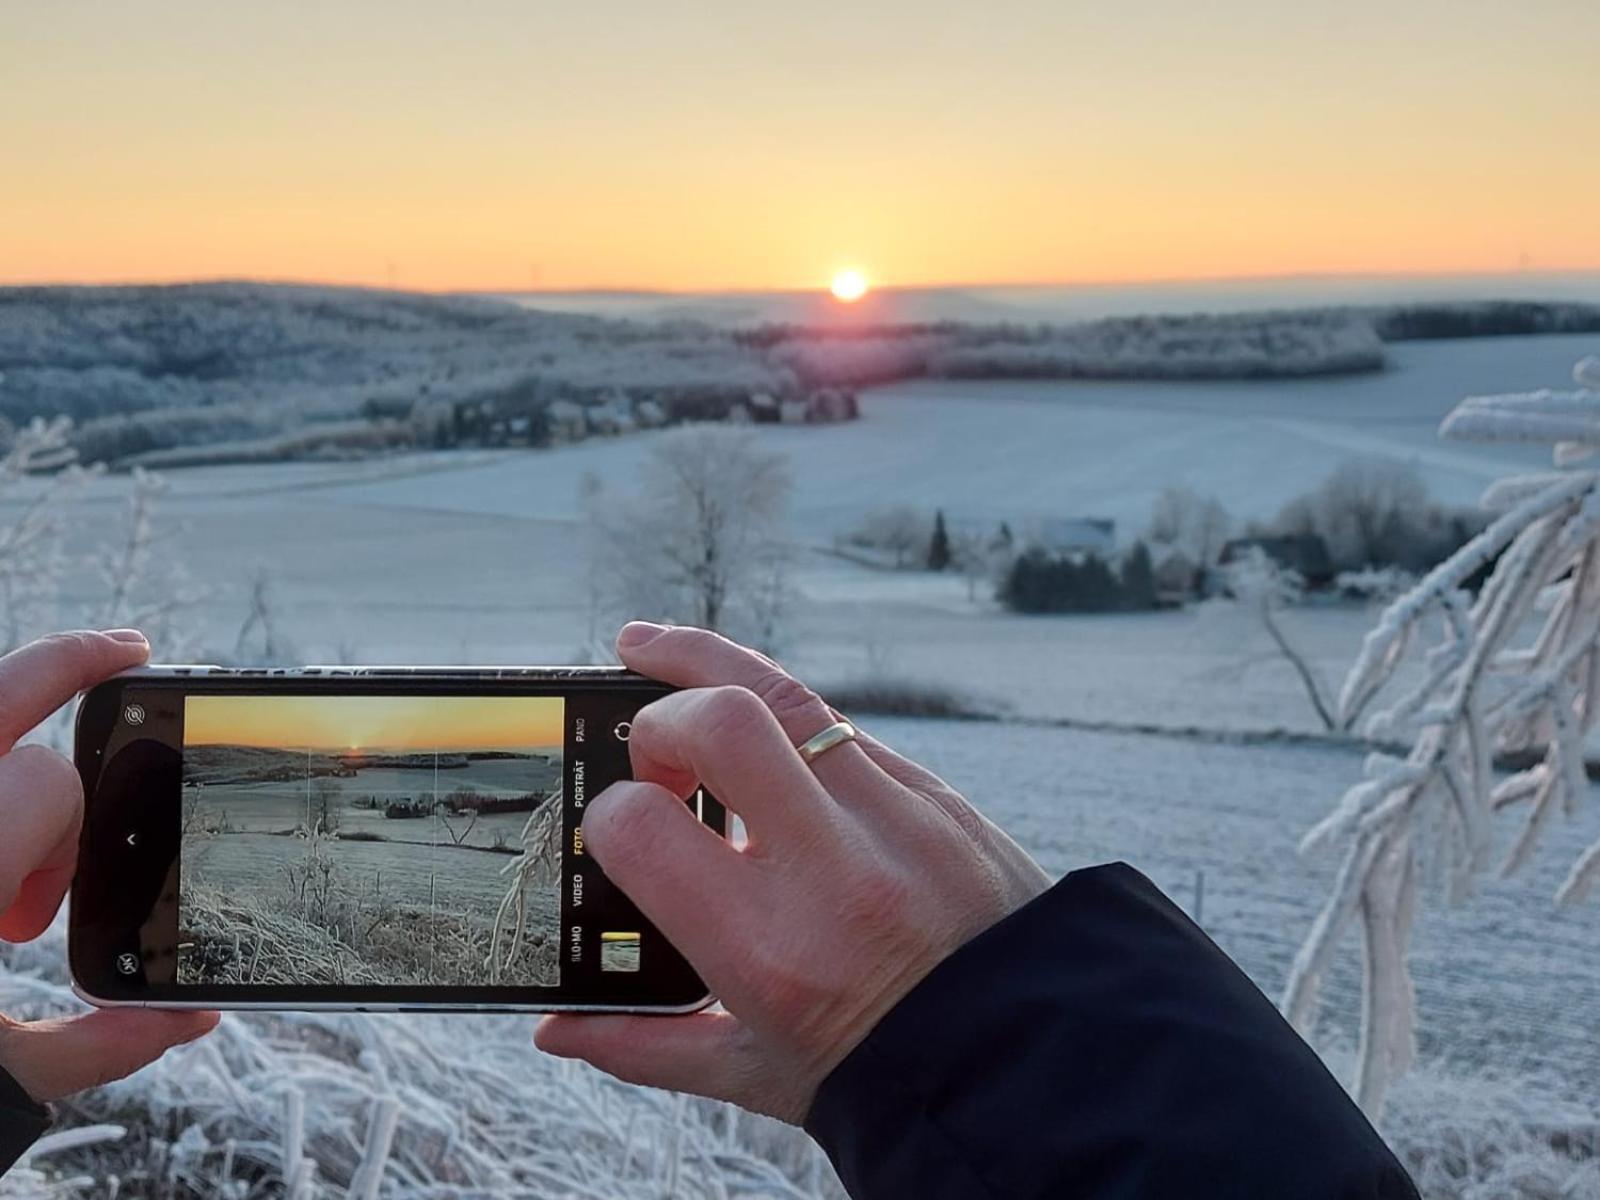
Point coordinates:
pixel 371 840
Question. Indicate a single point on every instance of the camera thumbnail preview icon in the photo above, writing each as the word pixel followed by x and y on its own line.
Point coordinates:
pixel 371 840
pixel 619 951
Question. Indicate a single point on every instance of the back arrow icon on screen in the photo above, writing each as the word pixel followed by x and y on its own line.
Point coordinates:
pixel 133 840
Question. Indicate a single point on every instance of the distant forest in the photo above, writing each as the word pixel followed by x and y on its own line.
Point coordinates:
pixel 241 372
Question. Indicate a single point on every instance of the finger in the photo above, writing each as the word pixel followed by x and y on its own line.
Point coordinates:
pixel 898 767
pixel 1014 861
pixel 41 811
pixel 40 677
pixel 684 877
pixel 694 658
pixel 725 738
pixel 58 1057
pixel 706 1054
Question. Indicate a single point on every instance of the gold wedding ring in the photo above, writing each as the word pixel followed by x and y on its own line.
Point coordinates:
pixel 834 735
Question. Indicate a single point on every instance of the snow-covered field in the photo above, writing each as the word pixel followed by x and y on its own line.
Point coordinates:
pixel 479 556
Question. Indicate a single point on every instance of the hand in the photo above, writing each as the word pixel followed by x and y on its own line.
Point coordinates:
pixel 41 812
pixel 862 873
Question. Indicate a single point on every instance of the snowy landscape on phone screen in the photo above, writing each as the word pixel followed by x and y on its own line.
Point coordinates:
pixel 356 858
pixel 1180 740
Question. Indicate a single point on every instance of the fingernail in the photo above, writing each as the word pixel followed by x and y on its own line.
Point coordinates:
pixel 124 635
pixel 639 633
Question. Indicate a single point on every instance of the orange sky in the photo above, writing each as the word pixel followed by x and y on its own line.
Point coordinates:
pixel 374 722
pixel 496 144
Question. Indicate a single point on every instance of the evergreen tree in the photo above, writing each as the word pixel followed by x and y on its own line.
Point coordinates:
pixel 939 544
pixel 1138 579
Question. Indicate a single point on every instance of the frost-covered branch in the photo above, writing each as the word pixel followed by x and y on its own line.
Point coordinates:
pixel 1486 687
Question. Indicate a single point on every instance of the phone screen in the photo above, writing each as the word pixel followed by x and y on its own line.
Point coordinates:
pixel 360 841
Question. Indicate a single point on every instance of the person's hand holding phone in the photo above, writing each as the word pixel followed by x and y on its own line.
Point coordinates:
pixel 41 812
pixel 861 874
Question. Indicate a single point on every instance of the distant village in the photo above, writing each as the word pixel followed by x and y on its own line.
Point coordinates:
pixel 537 414
pixel 1075 564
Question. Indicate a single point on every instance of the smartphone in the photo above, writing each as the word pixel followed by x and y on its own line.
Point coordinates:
pixel 361 838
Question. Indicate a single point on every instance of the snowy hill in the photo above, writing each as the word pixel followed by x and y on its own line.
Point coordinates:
pixel 244 372
pixel 145 368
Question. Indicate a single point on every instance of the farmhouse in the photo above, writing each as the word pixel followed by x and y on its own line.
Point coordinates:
pixel 1074 537
pixel 567 421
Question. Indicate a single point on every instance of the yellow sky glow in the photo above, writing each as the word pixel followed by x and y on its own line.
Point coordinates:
pixel 501 145
pixel 343 723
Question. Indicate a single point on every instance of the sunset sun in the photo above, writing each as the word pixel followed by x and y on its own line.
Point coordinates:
pixel 849 286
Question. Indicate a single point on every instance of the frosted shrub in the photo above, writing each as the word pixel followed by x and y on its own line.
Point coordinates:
pixel 1485 687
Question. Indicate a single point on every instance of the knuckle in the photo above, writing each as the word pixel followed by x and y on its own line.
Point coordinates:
pixel 729 712
pixel 967 820
pixel 786 697
pixel 71 643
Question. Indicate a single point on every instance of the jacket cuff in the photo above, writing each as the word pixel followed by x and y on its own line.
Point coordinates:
pixel 916 1054
pixel 1094 1043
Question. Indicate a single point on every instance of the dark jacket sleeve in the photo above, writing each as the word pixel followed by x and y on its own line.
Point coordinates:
pixel 21 1121
pixel 1094 1044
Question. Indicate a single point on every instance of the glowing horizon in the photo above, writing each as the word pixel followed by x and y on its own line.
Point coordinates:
pixel 352 724
pixel 513 148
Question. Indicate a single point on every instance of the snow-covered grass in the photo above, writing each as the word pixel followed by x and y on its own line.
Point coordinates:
pixel 1505 1090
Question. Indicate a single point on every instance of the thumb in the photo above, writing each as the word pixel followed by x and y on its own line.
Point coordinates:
pixel 709 1054
pixel 63 1055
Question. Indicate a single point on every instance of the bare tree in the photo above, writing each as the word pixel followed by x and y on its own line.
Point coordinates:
pixel 702 541
pixel 260 621
pixel 903 532
pixel 324 805
pixel 1372 512
pixel 1266 588
pixel 1198 525
pixel 141 591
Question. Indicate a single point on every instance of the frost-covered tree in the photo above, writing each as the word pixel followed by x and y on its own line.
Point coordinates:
pixel 703 541
pixel 1516 667
pixel 1264 588
pixel 1187 521
pixel 40 475
pixel 901 531
pixel 1375 512
pixel 146 585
